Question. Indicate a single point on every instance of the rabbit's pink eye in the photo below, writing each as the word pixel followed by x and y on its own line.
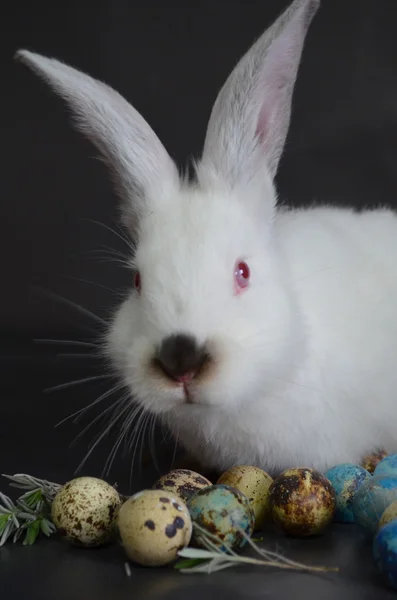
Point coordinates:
pixel 242 275
pixel 137 281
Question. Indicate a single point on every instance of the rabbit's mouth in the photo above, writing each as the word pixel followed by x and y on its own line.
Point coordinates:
pixel 188 393
pixel 183 364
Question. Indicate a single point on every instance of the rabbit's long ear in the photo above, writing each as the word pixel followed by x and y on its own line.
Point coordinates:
pixel 250 118
pixel 142 167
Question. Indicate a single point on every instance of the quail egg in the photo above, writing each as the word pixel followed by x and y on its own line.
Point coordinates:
pixel 182 482
pixel 371 500
pixel 385 552
pixel 84 511
pixel 302 502
pixel 387 466
pixel 154 525
pixel 346 479
pixel 389 514
pixel 224 512
pixel 371 461
pixel 255 484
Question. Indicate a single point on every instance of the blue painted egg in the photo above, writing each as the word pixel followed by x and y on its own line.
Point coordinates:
pixel 222 511
pixel 389 515
pixel 346 479
pixel 372 498
pixel 385 552
pixel 387 466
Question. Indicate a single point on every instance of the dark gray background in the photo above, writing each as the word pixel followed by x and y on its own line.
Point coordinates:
pixel 169 59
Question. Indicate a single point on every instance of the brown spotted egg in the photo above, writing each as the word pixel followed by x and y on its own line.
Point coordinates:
pixel 182 482
pixel 154 525
pixel 84 511
pixel 302 502
pixel 371 461
pixel 255 484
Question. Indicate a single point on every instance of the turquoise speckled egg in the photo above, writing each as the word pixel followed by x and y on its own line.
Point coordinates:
pixel 370 501
pixel 387 466
pixel 222 511
pixel 390 514
pixel 346 479
pixel 385 552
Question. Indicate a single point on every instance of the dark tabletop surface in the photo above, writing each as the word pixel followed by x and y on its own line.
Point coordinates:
pixel 51 569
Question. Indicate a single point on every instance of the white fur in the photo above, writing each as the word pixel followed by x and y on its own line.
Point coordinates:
pixel 306 358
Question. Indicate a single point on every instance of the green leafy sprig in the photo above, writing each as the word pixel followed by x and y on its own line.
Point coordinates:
pixel 30 513
pixel 49 489
pixel 212 558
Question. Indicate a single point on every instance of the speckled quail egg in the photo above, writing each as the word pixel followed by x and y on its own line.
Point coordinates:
pixel 346 479
pixel 371 500
pixel 385 552
pixel 389 514
pixel 387 466
pixel 224 512
pixel 154 525
pixel 182 482
pixel 84 511
pixel 302 502
pixel 255 484
pixel 371 461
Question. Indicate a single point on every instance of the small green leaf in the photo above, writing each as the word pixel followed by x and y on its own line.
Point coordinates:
pixel 17 534
pixel 4 520
pixel 14 518
pixel 32 531
pixel 44 528
pixel 47 527
pixel 21 505
pixel 189 552
pixel 189 562
pixel 32 499
pixel 7 502
pixel 7 531
pixel 4 510
pixel 29 517
pixel 257 539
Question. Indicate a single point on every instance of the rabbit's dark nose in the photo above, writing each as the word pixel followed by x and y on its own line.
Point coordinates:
pixel 180 357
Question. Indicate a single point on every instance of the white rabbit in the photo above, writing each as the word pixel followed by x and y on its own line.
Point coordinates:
pixel 259 335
